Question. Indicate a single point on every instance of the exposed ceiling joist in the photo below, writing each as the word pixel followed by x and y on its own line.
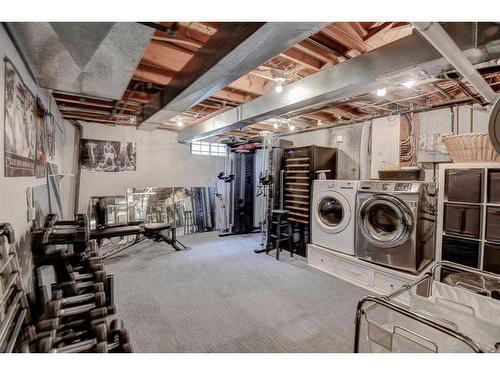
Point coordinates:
pixel 357 76
pixel 233 51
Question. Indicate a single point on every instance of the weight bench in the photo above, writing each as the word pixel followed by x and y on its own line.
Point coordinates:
pixel 159 232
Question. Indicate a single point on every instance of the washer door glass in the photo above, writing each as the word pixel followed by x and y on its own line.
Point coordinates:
pixel 386 221
pixel 330 211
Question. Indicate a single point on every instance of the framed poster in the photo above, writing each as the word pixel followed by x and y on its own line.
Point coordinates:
pixel 51 140
pixel 107 156
pixel 41 146
pixel 20 129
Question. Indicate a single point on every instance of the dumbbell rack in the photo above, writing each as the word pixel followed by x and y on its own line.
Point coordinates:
pixel 75 301
pixel 14 312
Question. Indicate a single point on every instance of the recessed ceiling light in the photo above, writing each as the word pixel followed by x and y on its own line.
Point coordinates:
pixel 381 92
pixel 180 123
pixel 279 87
pixel 409 84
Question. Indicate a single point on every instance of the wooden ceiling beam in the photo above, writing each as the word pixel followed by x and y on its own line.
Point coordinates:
pixel 358 29
pixel 61 101
pixel 137 96
pixel 232 96
pixel 331 44
pixel 212 25
pixel 155 75
pixel 345 38
pixel 336 110
pixel 318 51
pixel 376 30
pixel 299 57
pixel 165 55
pixel 63 95
pixel 250 84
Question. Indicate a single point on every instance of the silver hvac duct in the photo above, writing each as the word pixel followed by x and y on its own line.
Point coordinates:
pixel 434 33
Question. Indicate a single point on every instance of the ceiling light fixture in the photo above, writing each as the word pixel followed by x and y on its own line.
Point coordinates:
pixel 409 84
pixel 381 92
pixel 291 127
pixel 279 87
pixel 276 125
pixel 180 123
pixel 280 81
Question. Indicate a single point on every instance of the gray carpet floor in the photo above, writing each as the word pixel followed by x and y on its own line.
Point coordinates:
pixel 222 297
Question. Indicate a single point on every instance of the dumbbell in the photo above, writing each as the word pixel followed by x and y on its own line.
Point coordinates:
pixel 73 288
pixel 92 345
pixel 60 324
pixel 94 310
pixel 51 342
pixel 118 338
pixel 98 297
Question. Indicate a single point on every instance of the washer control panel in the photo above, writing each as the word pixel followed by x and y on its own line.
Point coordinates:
pixel 389 186
pixel 402 186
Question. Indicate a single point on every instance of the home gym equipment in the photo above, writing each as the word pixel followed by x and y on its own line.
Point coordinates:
pixel 241 193
pixel 270 184
pixel 139 231
pixel 73 296
pixel 15 317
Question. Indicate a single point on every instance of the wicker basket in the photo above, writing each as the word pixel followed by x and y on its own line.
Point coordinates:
pixel 472 147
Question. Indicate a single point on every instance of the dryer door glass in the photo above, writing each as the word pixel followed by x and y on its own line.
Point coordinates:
pixel 330 211
pixel 386 221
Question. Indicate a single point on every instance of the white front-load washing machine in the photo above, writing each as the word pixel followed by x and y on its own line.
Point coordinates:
pixel 333 214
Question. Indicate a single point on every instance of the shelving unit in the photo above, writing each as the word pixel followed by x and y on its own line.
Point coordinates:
pixel 469 215
pixel 300 166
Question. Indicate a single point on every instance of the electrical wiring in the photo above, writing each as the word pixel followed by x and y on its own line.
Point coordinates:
pixel 407 145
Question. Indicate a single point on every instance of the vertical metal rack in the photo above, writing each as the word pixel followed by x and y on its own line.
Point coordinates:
pixel 301 163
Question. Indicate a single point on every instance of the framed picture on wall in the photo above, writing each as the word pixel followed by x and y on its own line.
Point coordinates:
pixel 51 140
pixel 107 156
pixel 20 129
pixel 41 144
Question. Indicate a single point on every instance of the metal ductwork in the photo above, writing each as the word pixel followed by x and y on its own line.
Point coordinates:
pixel 233 51
pixel 357 76
pixel 91 58
pixel 435 34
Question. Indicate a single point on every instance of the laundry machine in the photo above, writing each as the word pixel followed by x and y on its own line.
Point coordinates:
pixel 396 223
pixel 333 214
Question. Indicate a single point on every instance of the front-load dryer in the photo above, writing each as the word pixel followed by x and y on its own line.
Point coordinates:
pixel 333 214
pixel 396 223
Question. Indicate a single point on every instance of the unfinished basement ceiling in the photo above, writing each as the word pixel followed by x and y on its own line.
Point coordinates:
pixel 159 65
pixel 82 58
pixel 335 43
pixel 177 43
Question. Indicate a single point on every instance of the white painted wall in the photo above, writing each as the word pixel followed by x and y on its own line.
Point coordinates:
pixel 385 137
pixel 345 138
pixel 161 161
pixel 13 189
pixel 385 143
pixel 13 205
